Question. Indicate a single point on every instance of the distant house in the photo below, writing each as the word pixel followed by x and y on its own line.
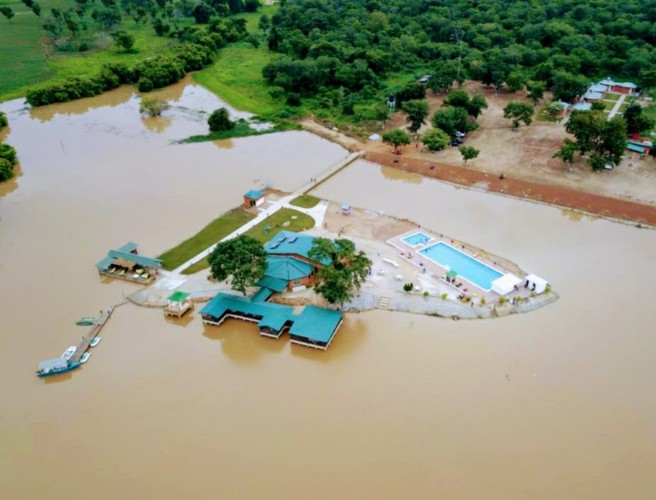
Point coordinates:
pixel 639 146
pixel 253 198
pixel 598 87
pixel 591 96
pixel 582 106
pixel 125 263
pixel 620 87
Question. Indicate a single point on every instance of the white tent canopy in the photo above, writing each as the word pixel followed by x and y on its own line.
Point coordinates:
pixel 505 284
pixel 535 283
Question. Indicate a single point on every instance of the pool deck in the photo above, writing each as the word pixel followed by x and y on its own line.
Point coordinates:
pixel 437 272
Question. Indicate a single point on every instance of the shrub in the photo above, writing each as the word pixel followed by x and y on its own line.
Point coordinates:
pixel 8 154
pixel 502 300
pixel 153 106
pixel 6 170
pixel 3 120
pixel 547 288
pixel 293 99
pixel 444 296
pixel 408 287
pixel 425 294
pixel 483 301
pixel 219 121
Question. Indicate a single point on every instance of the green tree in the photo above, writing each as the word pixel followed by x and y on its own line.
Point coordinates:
pixel 598 106
pixel 153 106
pixel 636 120
pixel 468 153
pixel 476 105
pixel 417 111
pixel 3 120
pixel 36 8
pixel 6 170
pixel 7 12
pixel 536 91
pixel 123 40
pixel 435 139
pixel 516 80
pixel 344 271
pixel 264 23
pixel 8 153
pixel 458 98
pixel 567 151
pixel 568 87
pixel 518 112
pixel 396 138
pixel 605 140
pixel 243 258
pixel 219 121
pixel 451 120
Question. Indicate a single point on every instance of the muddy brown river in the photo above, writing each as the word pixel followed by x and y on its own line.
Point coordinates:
pixel 554 404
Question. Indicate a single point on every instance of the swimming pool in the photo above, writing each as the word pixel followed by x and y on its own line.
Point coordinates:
pixel 417 239
pixel 467 267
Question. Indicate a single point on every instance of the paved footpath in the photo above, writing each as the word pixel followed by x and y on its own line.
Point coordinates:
pixel 317 212
pixel 616 108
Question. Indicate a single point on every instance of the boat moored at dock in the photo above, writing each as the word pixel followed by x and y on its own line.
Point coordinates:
pixel 56 366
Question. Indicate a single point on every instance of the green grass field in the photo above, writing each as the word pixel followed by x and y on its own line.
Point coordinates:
pixel 236 77
pixel 305 201
pixel 275 223
pixel 205 238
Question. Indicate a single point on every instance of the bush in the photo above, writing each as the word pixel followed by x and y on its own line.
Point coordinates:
pixel 8 153
pixel 502 300
pixel 83 47
pixel 153 106
pixel 219 121
pixel 159 72
pixel 483 301
pixel 6 170
pixel 293 99
pixel 444 296
pixel 425 294
pixel 3 120
pixel 408 287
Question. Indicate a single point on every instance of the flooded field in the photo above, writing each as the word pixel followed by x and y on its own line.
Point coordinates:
pixel 557 403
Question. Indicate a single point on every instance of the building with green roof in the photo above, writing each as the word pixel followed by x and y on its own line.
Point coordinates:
pixel 126 263
pixel 312 327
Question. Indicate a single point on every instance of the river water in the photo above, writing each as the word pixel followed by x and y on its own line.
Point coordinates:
pixel 557 403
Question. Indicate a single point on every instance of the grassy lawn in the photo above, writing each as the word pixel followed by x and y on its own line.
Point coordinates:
pixel 252 18
pixel 611 97
pixel 22 57
pixel 608 105
pixel 206 237
pixel 30 62
pixel 243 129
pixel 305 201
pixel 236 76
pixel 275 223
pixel 650 111
pixel 623 107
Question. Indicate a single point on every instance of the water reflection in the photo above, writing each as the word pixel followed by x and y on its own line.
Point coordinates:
pixel 11 185
pixel 396 174
pixel 157 124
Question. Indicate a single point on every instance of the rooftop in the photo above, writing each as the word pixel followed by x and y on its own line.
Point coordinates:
pixel 290 243
pixel 314 323
pixel 124 253
pixel 254 194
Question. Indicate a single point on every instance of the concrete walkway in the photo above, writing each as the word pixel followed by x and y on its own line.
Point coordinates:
pixel 317 212
pixel 616 108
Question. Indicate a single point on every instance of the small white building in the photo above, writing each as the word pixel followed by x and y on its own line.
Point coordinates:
pixel 535 283
pixel 505 284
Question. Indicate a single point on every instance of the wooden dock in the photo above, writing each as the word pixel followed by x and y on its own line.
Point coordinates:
pixel 83 346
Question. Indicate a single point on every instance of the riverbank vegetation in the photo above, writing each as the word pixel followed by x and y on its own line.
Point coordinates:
pixel 8 160
pixel 242 128
pixel 347 58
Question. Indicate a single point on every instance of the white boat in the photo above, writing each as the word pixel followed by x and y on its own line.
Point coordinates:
pixel 95 341
pixel 68 353
pixel 85 357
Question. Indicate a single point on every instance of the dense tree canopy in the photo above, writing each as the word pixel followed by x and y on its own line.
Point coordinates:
pixel 243 258
pixel 346 272
pixel 396 138
pixel 604 139
pixel 356 45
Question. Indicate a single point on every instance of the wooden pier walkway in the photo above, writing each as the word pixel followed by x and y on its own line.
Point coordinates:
pixel 83 346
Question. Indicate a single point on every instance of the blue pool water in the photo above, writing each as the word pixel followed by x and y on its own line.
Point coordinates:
pixel 417 239
pixel 469 268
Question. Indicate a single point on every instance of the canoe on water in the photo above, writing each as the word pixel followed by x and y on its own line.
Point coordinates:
pixel 86 321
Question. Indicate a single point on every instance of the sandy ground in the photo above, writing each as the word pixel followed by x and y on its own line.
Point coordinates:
pixel 527 153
